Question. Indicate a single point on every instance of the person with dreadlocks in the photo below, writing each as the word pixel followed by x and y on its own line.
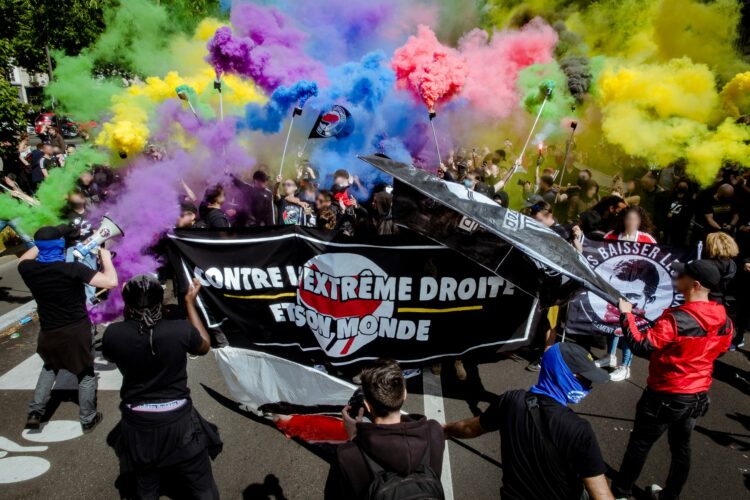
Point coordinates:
pixel 65 338
pixel 160 432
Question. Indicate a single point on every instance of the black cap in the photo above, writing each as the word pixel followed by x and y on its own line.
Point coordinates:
pixel 260 175
pixel 703 271
pixel 532 200
pixel 47 233
pixel 581 362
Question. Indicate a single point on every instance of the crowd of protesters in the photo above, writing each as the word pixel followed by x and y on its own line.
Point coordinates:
pixel 548 451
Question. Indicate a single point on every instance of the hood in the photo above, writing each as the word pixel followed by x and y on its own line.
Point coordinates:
pixel 709 315
pixel 401 446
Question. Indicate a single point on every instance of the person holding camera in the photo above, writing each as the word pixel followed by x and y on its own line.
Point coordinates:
pixel 160 431
pixel 389 447
pixel 683 344
pixel 65 335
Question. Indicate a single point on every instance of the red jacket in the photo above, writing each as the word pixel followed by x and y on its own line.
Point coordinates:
pixel 684 342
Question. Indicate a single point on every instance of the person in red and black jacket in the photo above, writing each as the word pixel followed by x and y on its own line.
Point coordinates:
pixel 683 343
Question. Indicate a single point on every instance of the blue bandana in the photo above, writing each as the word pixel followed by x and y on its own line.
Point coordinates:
pixel 557 381
pixel 51 250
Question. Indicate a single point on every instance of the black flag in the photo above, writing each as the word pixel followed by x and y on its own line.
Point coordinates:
pixel 499 239
pixel 336 122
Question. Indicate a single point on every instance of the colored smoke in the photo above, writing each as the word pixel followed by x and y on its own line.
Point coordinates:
pixel 269 117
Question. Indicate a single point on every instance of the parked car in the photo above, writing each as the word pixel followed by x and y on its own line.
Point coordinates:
pixel 67 127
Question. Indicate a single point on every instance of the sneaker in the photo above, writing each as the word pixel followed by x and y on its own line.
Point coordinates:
pixel 460 370
pixel 412 372
pixel 654 491
pixel 535 366
pixel 92 425
pixel 620 374
pixel 33 421
pixel 609 361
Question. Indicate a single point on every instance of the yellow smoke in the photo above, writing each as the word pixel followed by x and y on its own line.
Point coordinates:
pixel 128 129
pixel 735 96
pixel 662 112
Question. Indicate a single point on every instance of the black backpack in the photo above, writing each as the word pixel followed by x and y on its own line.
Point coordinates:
pixel 422 484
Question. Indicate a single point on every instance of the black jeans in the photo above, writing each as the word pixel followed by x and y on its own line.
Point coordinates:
pixel 656 413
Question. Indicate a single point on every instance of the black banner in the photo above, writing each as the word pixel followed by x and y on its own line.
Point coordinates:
pixel 498 238
pixel 292 289
pixel 642 274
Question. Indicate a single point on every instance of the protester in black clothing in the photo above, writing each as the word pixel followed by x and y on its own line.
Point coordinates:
pixel 291 209
pixel 721 249
pixel 674 222
pixel 548 452
pixel 160 431
pixel 258 200
pixel 210 211
pixel 188 216
pixel 65 338
pixel 546 189
pixel 650 194
pixel 719 211
pixel 78 218
pixel 39 160
pixel 89 189
pixel 601 217
pixel 395 442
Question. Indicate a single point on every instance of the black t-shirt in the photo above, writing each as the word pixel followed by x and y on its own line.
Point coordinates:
pixel 215 218
pixel 528 472
pixel 291 213
pixel 80 225
pixel 58 288
pixel 723 210
pixel 147 376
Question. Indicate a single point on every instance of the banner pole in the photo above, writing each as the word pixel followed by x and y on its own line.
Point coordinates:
pixel 573 126
pixel 217 86
pixel 297 111
pixel 519 161
pixel 434 136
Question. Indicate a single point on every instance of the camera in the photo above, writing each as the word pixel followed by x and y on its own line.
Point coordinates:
pixel 356 402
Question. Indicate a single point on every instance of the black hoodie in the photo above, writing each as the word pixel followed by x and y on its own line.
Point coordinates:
pixel 395 447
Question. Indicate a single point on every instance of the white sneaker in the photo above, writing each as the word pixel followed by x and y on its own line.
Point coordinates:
pixel 609 361
pixel 654 491
pixel 620 374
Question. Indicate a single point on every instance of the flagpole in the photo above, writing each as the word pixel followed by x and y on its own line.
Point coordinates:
pixel 217 86
pixel 434 136
pixel 519 161
pixel 297 111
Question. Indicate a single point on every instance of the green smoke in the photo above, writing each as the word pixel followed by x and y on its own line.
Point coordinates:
pixel 532 85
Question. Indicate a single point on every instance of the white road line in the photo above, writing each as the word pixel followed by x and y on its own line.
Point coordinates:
pixel 24 376
pixel 434 409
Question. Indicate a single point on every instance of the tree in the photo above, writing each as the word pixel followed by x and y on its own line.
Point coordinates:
pixel 31 28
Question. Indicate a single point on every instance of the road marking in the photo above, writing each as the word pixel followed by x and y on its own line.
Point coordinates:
pixel 434 409
pixel 17 469
pixel 23 376
pixel 8 445
pixel 54 431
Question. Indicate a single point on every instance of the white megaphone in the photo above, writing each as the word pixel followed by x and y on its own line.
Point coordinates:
pixel 106 231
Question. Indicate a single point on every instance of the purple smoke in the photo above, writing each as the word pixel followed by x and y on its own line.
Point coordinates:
pixel 265 47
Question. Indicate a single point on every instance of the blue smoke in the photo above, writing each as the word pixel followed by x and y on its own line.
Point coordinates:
pixel 269 117
pixel 381 117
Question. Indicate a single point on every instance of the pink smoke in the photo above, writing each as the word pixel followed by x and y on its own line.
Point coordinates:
pixel 492 66
pixel 430 70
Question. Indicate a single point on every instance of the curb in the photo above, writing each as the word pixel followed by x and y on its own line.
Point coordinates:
pixel 12 318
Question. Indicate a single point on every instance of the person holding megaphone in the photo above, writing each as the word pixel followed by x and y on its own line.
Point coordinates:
pixel 65 329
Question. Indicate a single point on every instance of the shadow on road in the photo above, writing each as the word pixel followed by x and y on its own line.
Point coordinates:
pixel 269 489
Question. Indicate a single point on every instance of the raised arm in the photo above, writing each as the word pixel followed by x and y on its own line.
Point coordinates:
pixel 29 254
pixel 107 277
pixel 195 319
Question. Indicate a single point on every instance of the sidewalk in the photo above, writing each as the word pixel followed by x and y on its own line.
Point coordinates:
pixel 15 299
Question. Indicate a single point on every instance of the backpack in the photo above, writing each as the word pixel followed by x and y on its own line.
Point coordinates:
pixel 422 484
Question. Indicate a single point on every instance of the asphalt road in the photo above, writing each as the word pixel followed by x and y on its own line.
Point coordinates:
pixel 257 457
